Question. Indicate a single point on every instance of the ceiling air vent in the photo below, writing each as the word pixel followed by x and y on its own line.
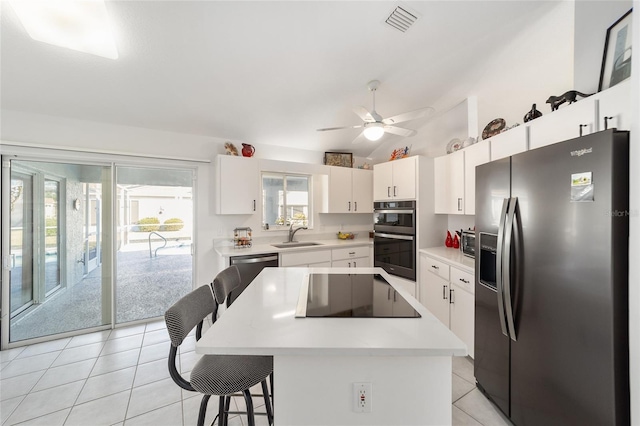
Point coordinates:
pixel 401 19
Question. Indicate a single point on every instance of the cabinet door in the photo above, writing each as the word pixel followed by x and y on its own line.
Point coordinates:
pixel 449 183
pixel 404 179
pixel 362 262
pixel 462 311
pixel 614 104
pixel 306 258
pixel 238 185
pixel 509 143
pixel 434 295
pixel 382 299
pixel 382 181
pixel 362 191
pixel 564 123
pixel 340 190
pixel 474 155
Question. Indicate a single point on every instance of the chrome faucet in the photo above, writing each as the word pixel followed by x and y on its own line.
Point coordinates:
pixel 292 232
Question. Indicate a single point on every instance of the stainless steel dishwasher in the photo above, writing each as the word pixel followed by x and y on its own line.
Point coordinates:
pixel 249 267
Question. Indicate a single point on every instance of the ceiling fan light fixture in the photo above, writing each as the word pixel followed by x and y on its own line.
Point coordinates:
pixel 373 131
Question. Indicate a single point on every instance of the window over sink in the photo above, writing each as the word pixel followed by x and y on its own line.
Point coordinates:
pixel 285 200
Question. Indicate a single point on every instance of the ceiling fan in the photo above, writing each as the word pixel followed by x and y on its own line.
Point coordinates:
pixel 374 126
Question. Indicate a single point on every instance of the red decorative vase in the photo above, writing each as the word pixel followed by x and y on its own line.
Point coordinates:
pixel 248 150
pixel 449 241
pixel 456 242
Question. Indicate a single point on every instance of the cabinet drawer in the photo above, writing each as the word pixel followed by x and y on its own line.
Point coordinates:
pixel 434 266
pixel 349 252
pixel 462 279
pixel 305 257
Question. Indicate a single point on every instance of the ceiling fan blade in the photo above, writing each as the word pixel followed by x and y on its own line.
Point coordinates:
pixel 399 131
pixel 359 139
pixel 363 113
pixel 339 128
pixel 419 113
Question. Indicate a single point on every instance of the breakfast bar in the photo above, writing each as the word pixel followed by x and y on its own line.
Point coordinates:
pixel 320 361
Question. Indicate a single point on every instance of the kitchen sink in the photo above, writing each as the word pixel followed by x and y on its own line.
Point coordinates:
pixel 296 244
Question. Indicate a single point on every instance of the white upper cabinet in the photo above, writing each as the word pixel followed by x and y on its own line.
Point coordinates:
pixel 509 143
pixel 474 155
pixel 350 190
pixel 238 183
pixel 449 183
pixel 614 107
pixel 567 122
pixel 395 180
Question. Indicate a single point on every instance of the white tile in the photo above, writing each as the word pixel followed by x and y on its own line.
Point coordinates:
pixel 41 348
pixel 53 419
pixel 169 415
pixel 480 408
pixel 154 352
pixel 19 385
pixel 7 406
pixel 9 354
pixel 38 404
pixel 29 365
pixel 463 367
pixel 156 325
pixel 117 361
pixel 191 408
pixel 80 353
pixel 65 374
pixel 460 418
pixel 154 395
pixel 151 372
pixel 100 412
pixel 86 339
pixel 460 387
pixel 127 331
pixel 122 344
pixel 188 360
pixel 3 365
pixel 157 336
pixel 107 384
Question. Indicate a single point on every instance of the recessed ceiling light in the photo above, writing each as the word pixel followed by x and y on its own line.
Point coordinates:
pixel 81 25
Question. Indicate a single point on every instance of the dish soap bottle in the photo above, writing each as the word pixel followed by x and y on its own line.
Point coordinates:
pixel 449 241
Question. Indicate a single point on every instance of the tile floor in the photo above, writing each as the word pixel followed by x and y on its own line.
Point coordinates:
pixel 120 377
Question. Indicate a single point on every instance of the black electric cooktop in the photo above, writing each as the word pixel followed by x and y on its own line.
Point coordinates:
pixel 355 296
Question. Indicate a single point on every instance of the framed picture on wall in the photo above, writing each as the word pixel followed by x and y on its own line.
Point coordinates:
pixel 342 159
pixel 616 60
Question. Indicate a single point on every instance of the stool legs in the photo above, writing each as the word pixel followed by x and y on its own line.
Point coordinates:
pixel 267 402
pixel 249 402
pixel 203 409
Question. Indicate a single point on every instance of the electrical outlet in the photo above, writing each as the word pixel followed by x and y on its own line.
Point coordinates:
pixel 362 397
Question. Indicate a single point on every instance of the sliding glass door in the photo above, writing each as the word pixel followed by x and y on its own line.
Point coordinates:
pixel 90 245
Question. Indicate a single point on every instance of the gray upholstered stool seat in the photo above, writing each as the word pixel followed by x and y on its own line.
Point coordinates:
pixel 228 374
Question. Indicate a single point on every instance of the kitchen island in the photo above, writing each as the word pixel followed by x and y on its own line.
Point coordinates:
pixel 407 361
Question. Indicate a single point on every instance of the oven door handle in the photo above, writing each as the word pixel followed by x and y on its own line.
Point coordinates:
pixel 395 236
pixel 394 211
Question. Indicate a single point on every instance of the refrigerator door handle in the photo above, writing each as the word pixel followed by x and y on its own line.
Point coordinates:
pixel 499 266
pixel 506 266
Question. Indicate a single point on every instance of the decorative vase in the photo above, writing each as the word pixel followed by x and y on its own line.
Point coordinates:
pixel 533 114
pixel 449 241
pixel 456 242
pixel 248 150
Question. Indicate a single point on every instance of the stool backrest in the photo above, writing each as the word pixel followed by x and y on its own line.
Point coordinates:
pixel 188 312
pixel 227 280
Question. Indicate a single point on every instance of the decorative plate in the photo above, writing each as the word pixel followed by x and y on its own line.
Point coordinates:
pixel 454 145
pixel 493 128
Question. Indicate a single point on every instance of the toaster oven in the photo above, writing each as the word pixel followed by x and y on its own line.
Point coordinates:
pixel 468 243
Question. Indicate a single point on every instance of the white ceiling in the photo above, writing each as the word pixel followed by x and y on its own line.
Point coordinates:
pixel 261 72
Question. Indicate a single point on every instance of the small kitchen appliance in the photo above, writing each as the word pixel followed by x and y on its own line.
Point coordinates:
pixel 468 243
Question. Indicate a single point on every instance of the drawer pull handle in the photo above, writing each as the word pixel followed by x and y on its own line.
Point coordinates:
pixel 352 252
pixel 435 267
pixel 464 281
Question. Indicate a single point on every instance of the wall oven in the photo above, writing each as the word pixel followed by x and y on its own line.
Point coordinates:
pixel 394 241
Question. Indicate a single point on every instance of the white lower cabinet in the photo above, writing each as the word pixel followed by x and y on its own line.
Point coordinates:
pixel 351 257
pixel 387 302
pixel 312 258
pixel 447 292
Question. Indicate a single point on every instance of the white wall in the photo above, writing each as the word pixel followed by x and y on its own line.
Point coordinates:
pixel 592 18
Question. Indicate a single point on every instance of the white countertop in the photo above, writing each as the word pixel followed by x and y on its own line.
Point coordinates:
pixel 261 322
pixel 452 256
pixel 261 248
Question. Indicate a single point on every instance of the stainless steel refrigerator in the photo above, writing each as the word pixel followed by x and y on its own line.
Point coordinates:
pixel 551 308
